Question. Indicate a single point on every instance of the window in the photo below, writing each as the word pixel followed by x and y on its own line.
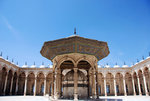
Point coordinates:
pixel 33 88
pixel 117 88
pixel 127 89
pixel 99 89
pixel 42 88
pixel 141 88
pixel 108 89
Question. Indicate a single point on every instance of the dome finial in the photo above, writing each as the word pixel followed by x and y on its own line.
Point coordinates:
pixel 137 60
pixel 75 31
pixel 7 58
pixel 143 57
pixel 42 63
pixel 1 54
pixel 12 60
pixel 116 63
pixel 25 63
pixel 124 63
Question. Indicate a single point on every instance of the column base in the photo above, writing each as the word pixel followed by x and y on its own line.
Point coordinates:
pixel 140 94
pixel 94 96
pixel 75 97
pixel 147 94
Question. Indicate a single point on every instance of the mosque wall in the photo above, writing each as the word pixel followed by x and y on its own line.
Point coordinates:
pixel 111 81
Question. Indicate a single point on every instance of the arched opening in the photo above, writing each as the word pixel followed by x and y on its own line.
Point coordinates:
pixel 67 80
pixel 128 83
pixel 21 83
pixel 136 83
pixel 109 84
pixel 119 84
pixel 101 91
pixel 14 84
pixel 9 80
pixel 30 83
pixel 3 78
pixel 140 74
pixel 84 88
pixel 49 84
pixel 147 77
pixel 40 84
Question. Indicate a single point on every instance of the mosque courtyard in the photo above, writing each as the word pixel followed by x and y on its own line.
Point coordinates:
pixel 45 98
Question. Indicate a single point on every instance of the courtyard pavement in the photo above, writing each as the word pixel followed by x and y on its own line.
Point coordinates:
pixel 43 98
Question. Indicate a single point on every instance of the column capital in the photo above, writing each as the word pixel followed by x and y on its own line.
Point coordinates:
pixel 75 69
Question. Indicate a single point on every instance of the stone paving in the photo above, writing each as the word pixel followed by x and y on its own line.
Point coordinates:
pixel 43 98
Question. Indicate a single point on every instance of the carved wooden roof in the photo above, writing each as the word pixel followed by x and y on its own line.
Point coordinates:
pixel 75 44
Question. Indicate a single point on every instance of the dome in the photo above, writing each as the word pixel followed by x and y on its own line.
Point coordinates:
pixel 99 66
pixel 107 66
pixel 116 66
pixel 42 66
pixel 25 66
pixel 51 66
pixel 33 66
pixel 125 66
pixel 148 57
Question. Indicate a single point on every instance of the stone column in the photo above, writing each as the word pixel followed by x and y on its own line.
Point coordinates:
pixel 16 90
pixel 45 85
pixel 124 83
pixel 35 83
pixel 105 86
pixel 75 84
pixel 55 86
pixel 5 83
pixel 133 86
pixel 11 84
pixel 53 79
pixel 97 85
pixel 58 83
pixel 115 87
pixel 25 87
pixel 94 85
pixel 139 85
pixel 145 86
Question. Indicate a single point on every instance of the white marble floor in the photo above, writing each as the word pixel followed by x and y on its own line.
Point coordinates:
pixel 43 98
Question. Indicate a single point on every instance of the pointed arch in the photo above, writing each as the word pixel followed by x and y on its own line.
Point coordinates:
pixel 21 83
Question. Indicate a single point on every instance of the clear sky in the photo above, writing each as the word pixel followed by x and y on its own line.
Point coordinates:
pixel 26 24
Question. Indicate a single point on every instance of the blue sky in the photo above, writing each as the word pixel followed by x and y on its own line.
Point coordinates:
pixel 26 24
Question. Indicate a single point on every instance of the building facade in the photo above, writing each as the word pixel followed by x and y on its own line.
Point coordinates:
pixel 75 73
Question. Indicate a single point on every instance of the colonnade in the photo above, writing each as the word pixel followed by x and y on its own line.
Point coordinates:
pixel 124 84
pixel 135 83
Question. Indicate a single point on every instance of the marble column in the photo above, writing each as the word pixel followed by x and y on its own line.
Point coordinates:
pixel 25 87
pixel 75 84
pixel 140 93
pixel 55 86
pixel 45 86
pixel 35 84
pixel 94 85
pixel 134 93
pixel 97 92
pixel 5 83
pixel 145 86
pixel 11 84
pixel 115 91
pixel 105 86
pixel 53 79
pixel 16 90
pixel 124 84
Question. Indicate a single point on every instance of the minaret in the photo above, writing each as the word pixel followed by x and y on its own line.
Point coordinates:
pixel 74 31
